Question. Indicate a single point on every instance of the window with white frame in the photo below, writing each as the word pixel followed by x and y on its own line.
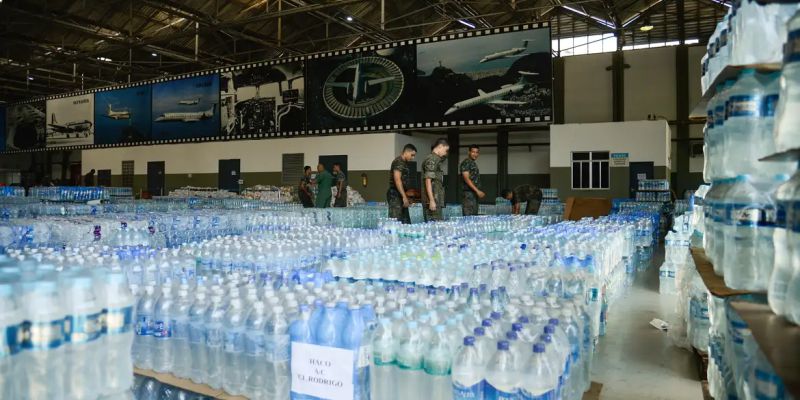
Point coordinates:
pixel 590 170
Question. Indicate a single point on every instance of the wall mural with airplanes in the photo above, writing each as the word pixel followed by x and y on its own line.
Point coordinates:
pixel 493 76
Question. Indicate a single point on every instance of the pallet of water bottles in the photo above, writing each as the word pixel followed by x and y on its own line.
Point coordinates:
pixel 661 185
pixel 655 196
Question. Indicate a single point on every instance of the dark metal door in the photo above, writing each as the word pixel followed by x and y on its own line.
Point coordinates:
pixel 155 178
pixel 229 175
pixel 638 171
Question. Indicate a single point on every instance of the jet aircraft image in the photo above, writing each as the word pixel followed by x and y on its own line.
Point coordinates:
pixel 514 52
pixel 188 102
pixel 122 114
pixel 187 116
pixel 495 97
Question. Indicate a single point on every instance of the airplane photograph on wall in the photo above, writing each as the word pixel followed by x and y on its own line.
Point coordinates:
pixel 122 115
pixel 186 108
pixel 70 121
pixel 489 77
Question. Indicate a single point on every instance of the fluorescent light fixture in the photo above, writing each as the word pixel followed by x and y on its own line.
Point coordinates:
pixel 692 41
pixel 645 28
pixel 600 20
pixel 57 48
pixel 349 18
pixel 106 59
pixel 465 23
pixel 30 78
pixel 154 54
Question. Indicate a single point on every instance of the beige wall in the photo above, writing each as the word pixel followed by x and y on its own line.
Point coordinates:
pixel 587 88
pixel 650 83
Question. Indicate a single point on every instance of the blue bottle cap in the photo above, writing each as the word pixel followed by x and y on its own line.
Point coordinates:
pixel 486 323
pixel 553 321
pixel 511 335
pixel 549 329
pixel 496 315
pixel 546 338
pixel 516 327
pixel 538 348
pixel 502 345
pixel 524 319
pixel 469 340
pixel 479 331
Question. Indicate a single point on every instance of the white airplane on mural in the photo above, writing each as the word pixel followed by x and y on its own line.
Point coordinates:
pixel 187 116
pixel 515 52
pixel 495 97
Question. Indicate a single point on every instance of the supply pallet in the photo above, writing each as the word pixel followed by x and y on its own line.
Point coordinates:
pixel 187 385
pixel 777 338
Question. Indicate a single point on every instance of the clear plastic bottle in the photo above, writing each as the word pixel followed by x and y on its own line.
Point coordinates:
pixel 163 330
pixel 181 350
pixel 409 362
pixel 502 377
pixel 436 364
pixel 301 331
pixel 744 124
pixel 143 341
pixel 214 329
pixel 787 119
pixel 277 355
pixel 749 215
pixel 42 360
pixel 117 300
pixel 539 380
pixel 767 138
pixel 198 354
pixel 785 197
pixel 468 372
pixel 83 329
pixel 234 373
pixel 383 350
pixel 10 361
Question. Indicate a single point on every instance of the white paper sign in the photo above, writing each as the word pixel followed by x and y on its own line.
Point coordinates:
pixel 323 372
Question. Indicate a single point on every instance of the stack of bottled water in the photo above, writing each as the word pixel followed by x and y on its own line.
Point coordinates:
pixel 68 193
pixel 67 333
pixel 751 33
pixel 12 191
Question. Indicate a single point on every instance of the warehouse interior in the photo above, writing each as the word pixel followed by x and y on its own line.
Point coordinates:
pixel 158 144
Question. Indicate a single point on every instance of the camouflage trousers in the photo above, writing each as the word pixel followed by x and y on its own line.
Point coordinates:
pixel 396 209
pixel 438 197
pixel 341 201
pixel 469 203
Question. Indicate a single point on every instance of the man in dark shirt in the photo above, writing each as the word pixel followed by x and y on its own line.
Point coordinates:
pixel 472 182
pixel 305 188
pixel 88 179
pixel 396 197
pixel 340 180
pixel 433 176
pixel 524 193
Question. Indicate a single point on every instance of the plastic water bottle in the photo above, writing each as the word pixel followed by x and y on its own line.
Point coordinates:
pixel 181 349
pixel 786 118
pixel 353 337
pixel 744 124
pixel 42 360
pixel 117 364
pixel 300 331
pixel 83 327
pixel 277 355
pixel 409 362
pixel 198 353
pixel 327 332
pixel 234 375
pixel 214 329
pixel 10 361
pixel 749 211
pixel 502 378
pixel 383 350
pixel 767 137
pixel 436 364
pixel 143 341
pixel 574 334
pixel 468 372
pixel 539 381
pixel 163 330
pixel 666 278
pixel 786 196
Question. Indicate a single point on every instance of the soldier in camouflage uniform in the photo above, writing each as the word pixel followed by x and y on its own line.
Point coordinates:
pixel 305 189
pixel 433 176
pixel 472 182
pixel 524 193
pixel 341 186
pixel 398 183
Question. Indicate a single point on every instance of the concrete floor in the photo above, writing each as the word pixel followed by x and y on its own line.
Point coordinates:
pixel 635 360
